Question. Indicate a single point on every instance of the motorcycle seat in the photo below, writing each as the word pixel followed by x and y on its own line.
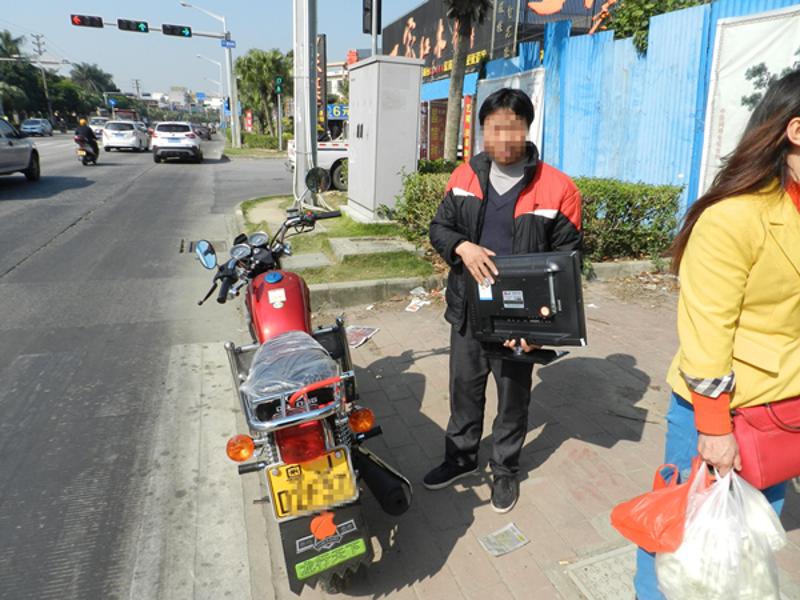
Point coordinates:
pixel 284 364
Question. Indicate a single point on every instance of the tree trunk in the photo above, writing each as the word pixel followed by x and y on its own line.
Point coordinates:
pixel 453 120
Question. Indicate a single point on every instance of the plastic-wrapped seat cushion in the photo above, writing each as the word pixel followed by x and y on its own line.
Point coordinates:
pixel 286 363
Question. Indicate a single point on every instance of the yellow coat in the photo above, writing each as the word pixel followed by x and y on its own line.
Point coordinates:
pixel 739 305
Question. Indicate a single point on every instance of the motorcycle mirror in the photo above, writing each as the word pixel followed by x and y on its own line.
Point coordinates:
pixel 318 180
pixel 205 252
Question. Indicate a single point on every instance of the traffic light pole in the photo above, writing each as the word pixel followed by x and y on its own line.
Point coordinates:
pixel 236 138
pixel 280 122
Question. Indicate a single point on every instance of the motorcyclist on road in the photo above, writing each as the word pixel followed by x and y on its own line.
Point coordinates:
pixel 86 132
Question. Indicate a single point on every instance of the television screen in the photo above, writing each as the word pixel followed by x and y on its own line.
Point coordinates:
pixel 537 297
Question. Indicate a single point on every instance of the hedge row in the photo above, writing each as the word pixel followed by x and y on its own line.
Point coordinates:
pixel 620 219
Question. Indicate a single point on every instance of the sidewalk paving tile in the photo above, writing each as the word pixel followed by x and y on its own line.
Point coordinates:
pixel 596 437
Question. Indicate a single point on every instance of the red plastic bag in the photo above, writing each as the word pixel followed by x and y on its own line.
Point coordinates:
pixel 655 520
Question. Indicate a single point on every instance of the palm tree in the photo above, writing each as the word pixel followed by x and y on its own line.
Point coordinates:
pixel 10 45
pixel 465 14
pixel 93 78
pixel 257 71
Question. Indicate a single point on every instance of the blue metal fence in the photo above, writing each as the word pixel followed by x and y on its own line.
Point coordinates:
pixel 611 112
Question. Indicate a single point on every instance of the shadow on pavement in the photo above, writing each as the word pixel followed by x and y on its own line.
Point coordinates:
pixel 591 399
pixel 587 398
pixel 19 188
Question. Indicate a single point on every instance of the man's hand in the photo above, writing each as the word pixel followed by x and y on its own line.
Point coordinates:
pixel 477 260
pixel 719 451
pixel 526 347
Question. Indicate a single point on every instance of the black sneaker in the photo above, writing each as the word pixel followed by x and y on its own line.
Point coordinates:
pixel 505 493
pixel 445 474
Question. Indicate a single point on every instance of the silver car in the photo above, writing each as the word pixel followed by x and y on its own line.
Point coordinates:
pixel 17 153
pixel 36 127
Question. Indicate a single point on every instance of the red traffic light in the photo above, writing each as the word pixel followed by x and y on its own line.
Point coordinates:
pixel 86 21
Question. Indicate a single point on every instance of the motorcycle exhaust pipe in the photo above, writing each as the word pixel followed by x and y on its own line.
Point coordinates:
pixel 391 490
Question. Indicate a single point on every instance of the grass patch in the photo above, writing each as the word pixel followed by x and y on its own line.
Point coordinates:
pixel 253 153
pixel 380 266
pixel 375 266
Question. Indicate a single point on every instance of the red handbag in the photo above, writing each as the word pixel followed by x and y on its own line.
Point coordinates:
pixel 769 442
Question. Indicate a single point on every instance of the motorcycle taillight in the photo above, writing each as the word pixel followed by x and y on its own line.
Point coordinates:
pixel 301 443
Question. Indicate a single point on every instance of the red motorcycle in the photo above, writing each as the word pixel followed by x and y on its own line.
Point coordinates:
pixel 299 397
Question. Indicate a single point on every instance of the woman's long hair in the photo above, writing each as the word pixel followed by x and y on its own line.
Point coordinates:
pixel 759 158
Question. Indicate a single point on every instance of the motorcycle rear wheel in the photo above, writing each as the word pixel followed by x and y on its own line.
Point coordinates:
pixel 335 583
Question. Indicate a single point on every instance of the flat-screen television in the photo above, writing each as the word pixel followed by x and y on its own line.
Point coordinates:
pixel 538 297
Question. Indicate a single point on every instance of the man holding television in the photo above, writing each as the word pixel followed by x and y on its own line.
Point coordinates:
pixel 504 201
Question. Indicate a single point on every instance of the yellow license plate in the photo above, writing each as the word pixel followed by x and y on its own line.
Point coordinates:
pixel 308 487
pixel 81 152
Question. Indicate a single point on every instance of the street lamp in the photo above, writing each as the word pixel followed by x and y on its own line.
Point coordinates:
pixel 235 137
pixel 219 66
pixel 217 83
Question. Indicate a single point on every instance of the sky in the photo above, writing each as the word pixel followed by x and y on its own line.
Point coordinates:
pixel 160 61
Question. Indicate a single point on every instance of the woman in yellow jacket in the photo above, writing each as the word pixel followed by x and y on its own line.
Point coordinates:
pixel 738 254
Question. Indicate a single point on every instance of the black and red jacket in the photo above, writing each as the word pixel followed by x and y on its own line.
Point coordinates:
pixel 547 218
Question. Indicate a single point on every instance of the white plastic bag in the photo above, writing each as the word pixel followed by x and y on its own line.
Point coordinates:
pixel 728 548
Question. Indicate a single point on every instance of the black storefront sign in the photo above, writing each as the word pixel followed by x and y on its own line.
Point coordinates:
pixel 428 34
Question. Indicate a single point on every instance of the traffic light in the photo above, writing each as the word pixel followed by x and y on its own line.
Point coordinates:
pixel 366 15
pixel 279 85
pixel 86 21
pixel 128 25
pixel 179 30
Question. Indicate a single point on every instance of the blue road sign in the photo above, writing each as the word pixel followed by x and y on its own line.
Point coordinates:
pixel 112 102
pixel 227 43
pixel 200 95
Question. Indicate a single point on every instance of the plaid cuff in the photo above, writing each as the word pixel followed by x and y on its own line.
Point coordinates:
pixel 711 387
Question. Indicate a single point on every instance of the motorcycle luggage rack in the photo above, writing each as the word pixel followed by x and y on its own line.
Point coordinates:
pixel 239 357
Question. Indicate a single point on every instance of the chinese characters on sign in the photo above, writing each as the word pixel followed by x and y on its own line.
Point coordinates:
pixel 322 83
pixel 248 121
pixel 505 29
pixel 467 127
pixel 551 7
pixel 436 117
pixel 428 34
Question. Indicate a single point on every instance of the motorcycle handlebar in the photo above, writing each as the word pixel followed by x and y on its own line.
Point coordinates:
pixel 327 215
pixel 223 290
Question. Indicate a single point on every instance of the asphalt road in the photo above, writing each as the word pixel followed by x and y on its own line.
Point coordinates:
pixel 115 400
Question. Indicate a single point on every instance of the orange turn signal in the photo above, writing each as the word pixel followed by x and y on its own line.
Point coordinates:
pixel 362 420
pixel 240 448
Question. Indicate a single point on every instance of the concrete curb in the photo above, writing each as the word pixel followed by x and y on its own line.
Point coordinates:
pixel 349 293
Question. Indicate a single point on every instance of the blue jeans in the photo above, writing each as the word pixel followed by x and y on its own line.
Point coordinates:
pixel 681 448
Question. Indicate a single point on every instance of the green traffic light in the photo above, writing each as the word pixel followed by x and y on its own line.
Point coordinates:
pixel 142 27
pixel 186 32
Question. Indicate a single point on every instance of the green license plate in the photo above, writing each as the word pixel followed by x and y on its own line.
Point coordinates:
pixel 331 558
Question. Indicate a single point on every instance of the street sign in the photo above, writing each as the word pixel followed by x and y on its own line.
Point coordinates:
pixel 112 103
pixel 178 30
pixel 200 95
pixel 130 25
pixel 86 21
pixel 227 43
pixel 338 111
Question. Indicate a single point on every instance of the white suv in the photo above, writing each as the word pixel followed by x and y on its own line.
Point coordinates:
pixel 175 139
pixel 124 134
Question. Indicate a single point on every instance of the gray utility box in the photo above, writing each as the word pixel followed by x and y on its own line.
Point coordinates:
pixel 383 131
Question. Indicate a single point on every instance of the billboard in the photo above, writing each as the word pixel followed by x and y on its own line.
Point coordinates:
pixel 428 34
pixel 749 52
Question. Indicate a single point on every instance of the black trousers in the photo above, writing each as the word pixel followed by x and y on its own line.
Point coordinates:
pixel 469 373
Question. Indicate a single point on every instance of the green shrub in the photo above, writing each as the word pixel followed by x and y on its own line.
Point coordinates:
pixel 421 196
pixel 627 220
pixel 439 165
pixel 259 140
pixel 620 219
